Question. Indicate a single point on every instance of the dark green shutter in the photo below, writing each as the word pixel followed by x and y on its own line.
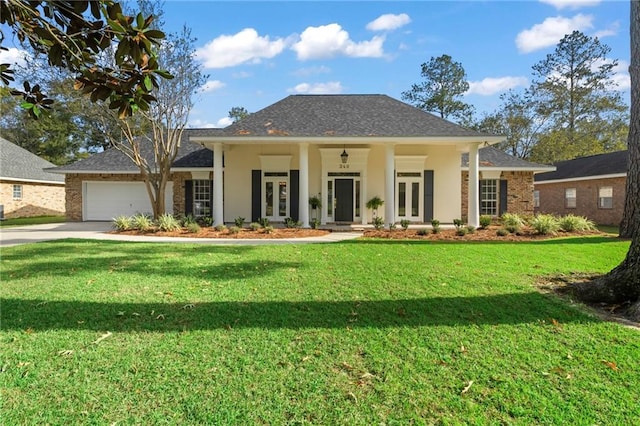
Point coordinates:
pixel 428 195
pixel 188 197
pixel 256 195
pixel 502 208
pixel 294 199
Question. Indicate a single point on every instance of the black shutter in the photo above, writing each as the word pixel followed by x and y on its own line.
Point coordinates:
pixel 294 199
pixel 502 207
pixel 188 197
pixel 256 195
pixel 428 195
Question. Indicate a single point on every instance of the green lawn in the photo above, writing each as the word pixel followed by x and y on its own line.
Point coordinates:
pixel 38 220
pixel 365 332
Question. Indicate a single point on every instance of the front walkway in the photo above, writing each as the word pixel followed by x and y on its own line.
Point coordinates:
pixel 97 231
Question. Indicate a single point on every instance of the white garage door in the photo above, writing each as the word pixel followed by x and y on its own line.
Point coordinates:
pixel 106 200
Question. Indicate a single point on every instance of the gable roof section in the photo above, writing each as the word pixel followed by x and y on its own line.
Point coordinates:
pixel 612 163
pixel 343 116
pixel 494 158
pixel 190 156
pixel 16 163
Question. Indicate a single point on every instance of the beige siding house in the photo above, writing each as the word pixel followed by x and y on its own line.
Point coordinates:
pixel 26 190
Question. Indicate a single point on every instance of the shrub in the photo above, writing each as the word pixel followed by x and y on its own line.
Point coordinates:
pixel 571 223
pixel 378 222
pixel 545 224
pixel 461 232
pixel 221 227
pixel 485 221
pixel 168 223
pixel 502 232
pixel 458 223
pixel 268 229
pixel 422 232
pixel 234 230
pixel 193 227
pixel 263 221
pixel 254 226
pixel 205 221
pixel 315 202
pixel 315 223
pixel 291 223
pixel 392 226
pixel 471 229
pixel 188 220
pixel 512 222
pixel 436 229
pixel 239 221
pixel 405 224
pixel 122 223
pixel 435 223
pixel 141 222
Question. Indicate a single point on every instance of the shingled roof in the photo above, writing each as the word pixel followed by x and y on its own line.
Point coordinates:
pixel 190 156
pixel 343 116
pixel 594 165
pixel 495 158
pixel 17 163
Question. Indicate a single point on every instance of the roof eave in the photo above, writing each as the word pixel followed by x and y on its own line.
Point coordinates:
pixel 352 140
pixel 581 178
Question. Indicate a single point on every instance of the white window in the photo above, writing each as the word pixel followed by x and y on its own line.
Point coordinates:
pixel 202 197
pixel 489 197
pixel 570 198
pixel 408 196
pixel 536 199
pixel 17 192
pixel 605 197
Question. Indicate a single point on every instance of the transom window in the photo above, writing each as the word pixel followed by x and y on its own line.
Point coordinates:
pixel 202 197
pixel 17 192
pixel 489 197
pixel 570 198
pixel 605 197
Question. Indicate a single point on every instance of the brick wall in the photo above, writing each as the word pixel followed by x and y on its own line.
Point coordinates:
pixel 73 195
pixel 552 199
pixel 38 199
pixel 519 192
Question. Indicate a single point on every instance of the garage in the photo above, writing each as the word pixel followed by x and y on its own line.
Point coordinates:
pixel 106 200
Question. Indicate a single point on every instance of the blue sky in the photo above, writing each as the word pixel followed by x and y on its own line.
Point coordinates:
pixel 257 53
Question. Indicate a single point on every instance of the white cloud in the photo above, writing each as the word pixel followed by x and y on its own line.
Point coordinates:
pixel 621 75
pixel 244 47
pixel 13 56
pixel 571 4
pixel 611 31
pixel 224 122
pixel 491 86
pixel 550 31
pixel 389 22
pixel 212 85
pixel 305 72
pixel 200 124
pixel 331 40
pixel 328 88
pixel 241 74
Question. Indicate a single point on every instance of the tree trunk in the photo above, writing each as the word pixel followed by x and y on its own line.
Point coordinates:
pixel 622 284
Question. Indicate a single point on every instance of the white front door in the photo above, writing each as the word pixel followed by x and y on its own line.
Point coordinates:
pixel 275 193
pixel 409 198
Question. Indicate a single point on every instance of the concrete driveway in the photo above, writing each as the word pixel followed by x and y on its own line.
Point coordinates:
pixel 97 231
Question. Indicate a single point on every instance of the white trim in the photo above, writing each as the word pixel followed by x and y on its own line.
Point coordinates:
pixel 54 182
pixel 611 176
pixel 351 140
pixel 128 172
pixel 515 169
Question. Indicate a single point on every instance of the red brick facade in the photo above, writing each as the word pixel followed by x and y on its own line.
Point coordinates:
pixel 519 192
pixel 552 199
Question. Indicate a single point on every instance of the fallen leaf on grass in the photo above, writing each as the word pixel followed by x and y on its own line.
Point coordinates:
pixel 353 397
pixel 101 338
pixel 612 365
pixel 466 388
pixel 188 306
pixel 66 352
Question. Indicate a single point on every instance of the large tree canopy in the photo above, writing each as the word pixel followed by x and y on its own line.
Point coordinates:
pixel 72 34
pixel 445 82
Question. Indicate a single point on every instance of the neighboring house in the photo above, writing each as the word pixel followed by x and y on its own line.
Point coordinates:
pixel 506 182
pixel 592 186
pixel 344 148
pixel 27 190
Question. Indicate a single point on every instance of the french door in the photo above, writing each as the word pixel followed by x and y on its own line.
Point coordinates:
pixel 275 198
pixel 408 196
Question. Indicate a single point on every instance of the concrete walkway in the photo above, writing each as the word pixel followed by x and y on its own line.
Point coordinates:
pixel 97 231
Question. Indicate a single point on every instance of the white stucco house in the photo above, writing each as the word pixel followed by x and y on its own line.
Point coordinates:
pixel 345 149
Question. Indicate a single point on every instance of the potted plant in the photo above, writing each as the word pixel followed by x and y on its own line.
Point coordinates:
pixel 315 202
pixel 373 205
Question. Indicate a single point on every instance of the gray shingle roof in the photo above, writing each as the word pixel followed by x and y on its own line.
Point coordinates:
pixel 343 116
pixel 593 165
pixel 493 157
pixel 18 163
pixel 190 155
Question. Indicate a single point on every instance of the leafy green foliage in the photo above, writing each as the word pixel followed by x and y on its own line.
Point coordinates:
pixel 221 227
pixel 404 223
pixel 485 221
pixel 141 222
pixel 254 226
pixel 290 222
pixel 512 222
pixel 263 221
pixel 378 222
pixel 502 232
pixel 571 223
pixel 234 230
pixel 122 223
pixel 168 223
pixel 239 221
pixel 374 203
pixel 238 113
pixel 193 227
pixel 545 224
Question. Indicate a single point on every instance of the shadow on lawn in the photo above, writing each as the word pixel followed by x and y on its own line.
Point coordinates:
pixel 19 314
pixel 550 241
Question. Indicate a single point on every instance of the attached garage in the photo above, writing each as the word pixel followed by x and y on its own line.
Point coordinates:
pixel 106 200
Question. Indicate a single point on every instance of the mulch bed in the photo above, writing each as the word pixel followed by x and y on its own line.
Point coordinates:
pixel 208 232
pixel 487 234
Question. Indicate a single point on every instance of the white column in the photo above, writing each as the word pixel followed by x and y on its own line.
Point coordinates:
pixel 389 186
pixel 304 185
pixel 474 209
pixel 218 207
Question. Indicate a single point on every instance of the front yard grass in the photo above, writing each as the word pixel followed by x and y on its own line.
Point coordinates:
pixel 365 332
pixel 37 220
